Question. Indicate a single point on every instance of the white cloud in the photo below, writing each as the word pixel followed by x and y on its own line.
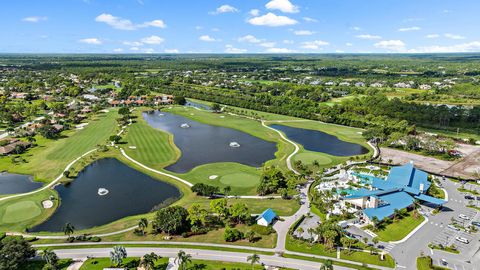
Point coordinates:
pixel 288 41
pixel 117 50
pixel 132 43
pixel 154 23
pixel 198 27
pixel 339 51
pixel 34 19
pixel 391 45
pixel 464 47
pixel 115 22
pixel 432 36
pixel 206 38
pixel 453 36
pixel 268 44
pixel 148 50
pixel 272 20
pixel 231 49
pixel 93 41
pixel 224 9
pixel 368 36
pixel 314 45
pixel 348 44
pixel 249 39
pixel 172 51
pixel 134 49
pixel 408 29
pixel 125 24
pixel 356 28
pixel 303 33
pixel 154 40
pixel 254 12
pixel 282 5
pixel 279 50
pixel 308 19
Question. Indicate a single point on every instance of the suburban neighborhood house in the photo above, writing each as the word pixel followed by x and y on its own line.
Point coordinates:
pixel 403 186
pixel 266 218
pixel 142 100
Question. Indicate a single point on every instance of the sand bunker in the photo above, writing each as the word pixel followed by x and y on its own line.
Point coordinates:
pixel 213 177
pixel 47 204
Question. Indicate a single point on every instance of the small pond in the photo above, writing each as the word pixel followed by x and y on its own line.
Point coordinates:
pixel 17 183
pixel 318 141
pixel 129 192
pixel 203 144
pixel 197 105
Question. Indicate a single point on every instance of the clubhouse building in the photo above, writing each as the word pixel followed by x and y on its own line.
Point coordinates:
pixel 403 186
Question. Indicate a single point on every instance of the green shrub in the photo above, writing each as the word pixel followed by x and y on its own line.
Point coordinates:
pixel 232 235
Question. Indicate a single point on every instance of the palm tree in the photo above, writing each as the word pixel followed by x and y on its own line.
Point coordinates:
pixel 50 257
pixel 143 224
pixel 68 229
pixel 253 259
pixel 183 259
pixel 396 212
pixel 117 255
pixel 327 265
pixel 416 204
pixel 148 260
pixel 227 190
pixel 375 222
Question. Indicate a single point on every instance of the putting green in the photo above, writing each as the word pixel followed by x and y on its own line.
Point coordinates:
pixel 21 211
pixel 309 157
pixel 240 179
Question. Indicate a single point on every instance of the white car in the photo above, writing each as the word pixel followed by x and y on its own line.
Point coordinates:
pixel 462 216
pixel 462 239
pixel 453 228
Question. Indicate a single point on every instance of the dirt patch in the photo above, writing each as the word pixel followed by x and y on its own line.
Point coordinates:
pixel 465 167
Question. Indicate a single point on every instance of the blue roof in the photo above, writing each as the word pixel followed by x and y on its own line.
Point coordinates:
pixel 392 201
pixel 408 176
pixel 268 215
pixel 430 199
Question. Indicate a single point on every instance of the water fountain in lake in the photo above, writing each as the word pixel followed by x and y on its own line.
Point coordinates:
pixel 102 191
pixel 234 144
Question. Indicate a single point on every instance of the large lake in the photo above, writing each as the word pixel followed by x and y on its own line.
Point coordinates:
pixel 318 141
pixel 202 143
pixel 17 183
pixel 130 192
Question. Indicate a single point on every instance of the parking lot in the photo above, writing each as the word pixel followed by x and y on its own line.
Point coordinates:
pixel 448 235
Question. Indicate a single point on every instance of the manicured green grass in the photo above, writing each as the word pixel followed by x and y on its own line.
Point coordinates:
pixel 313 259
pixel 366 257
pixel 243 179
pixel 212 237
pixel 216 265
pixel 425 263
pixel 47 160
pixel 397 230
pixel 21 211
pixel 25 212
pixel 129 263
pixel 154 148
pixel 240 180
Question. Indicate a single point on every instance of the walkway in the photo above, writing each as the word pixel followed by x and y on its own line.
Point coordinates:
pixel 51 184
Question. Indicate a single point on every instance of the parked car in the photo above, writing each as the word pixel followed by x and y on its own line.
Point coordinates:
pixel 462 239
pixel 468 197
pixel 476 223
pixel 462 216
pixel 444 262
pixel 478 198
pixel 453 228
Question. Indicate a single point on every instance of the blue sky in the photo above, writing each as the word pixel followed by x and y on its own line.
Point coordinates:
pixel 239 26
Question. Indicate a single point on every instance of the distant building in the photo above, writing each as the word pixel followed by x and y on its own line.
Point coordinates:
pixel 425 87
pixel 8 145
pixel 403 185
pixel 266 218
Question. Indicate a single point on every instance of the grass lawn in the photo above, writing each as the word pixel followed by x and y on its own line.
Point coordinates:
pixel 313 259
pixel 425 263
pixel 47 160
pixel 24 212
pixel 212 237
pixel 38 265
pixel 366 257
pixel 397 230
pixel 128 263
pixel 318 249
